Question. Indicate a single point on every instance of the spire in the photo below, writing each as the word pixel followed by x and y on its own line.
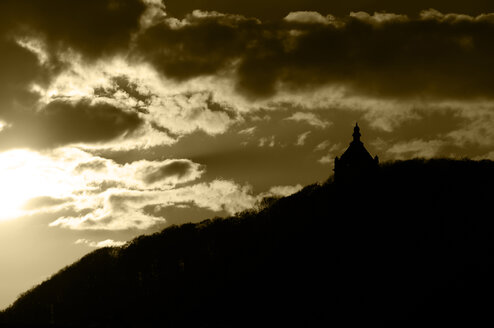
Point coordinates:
pixel 355 163
pixel 356 133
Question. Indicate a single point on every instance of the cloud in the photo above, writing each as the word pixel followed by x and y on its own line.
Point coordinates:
pixel 323 145
pixel 248 131
pixel 64 122
pixel 477 126
pixel 378 55
pixel 87 192
pixel 173 171
pixel 119 209
pixel 166 77
pixel 327 159
pixel 151 78
pixel 121 86
pixel 416 148
pixel 309 118
pixel 20 68
pixel 280 191
pixel 166 110
pixel 276 9
pixel 301 138
pixel 210 58
pixel 184 113
pixel 103 194
pixel 142 174
pixel 379 18
pixel 217 195
pixel 62 24
pixel 331 154
pixel 267 141
pixel 123 209
pixel 154 111
pixel 224 195
pixel 435 15
pixel 202 44
pixel 96 164
pixel 309 17
pixel 43 202
pixel 99 244
pixel 114 209
pixel 381 54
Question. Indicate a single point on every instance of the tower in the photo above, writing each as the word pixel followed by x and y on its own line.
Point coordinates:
pixel 355 163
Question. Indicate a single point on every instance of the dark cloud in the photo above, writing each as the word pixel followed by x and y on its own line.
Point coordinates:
pixel 178 169
pixel 207 43
pixel 441 57
pixel 93 27
pixel 203 46
pixel 18 68
pixel 424 58
pixel 433 56
pixel 391 56
pixel 123 84
pixel 131 88
pixel 451 59
pixel 62 122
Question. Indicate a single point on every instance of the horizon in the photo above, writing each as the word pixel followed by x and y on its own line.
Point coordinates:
pixel 121 118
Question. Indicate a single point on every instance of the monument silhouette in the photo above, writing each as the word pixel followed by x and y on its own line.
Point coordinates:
pixel 356 163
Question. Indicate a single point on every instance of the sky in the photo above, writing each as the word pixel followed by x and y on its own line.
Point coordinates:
pixel 121 117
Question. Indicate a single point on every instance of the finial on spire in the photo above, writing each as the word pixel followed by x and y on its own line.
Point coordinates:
pixel 356 133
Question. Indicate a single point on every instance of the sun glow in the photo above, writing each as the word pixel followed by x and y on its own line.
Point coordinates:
pixel 25 175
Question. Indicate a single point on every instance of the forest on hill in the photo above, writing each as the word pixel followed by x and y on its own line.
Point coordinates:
pixel 414 244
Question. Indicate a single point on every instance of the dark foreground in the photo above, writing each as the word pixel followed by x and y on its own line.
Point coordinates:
pixel 414 244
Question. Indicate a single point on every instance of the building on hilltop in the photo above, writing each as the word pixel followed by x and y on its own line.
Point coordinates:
pixel 355 163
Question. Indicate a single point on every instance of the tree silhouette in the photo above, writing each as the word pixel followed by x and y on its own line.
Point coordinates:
pixel 413 243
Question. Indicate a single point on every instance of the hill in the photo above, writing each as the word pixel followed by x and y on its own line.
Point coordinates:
pixel 412 244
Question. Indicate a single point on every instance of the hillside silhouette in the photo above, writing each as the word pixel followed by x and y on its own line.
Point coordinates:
pixel 412 244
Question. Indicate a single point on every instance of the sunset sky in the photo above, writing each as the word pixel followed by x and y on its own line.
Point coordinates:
pixel 121 117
